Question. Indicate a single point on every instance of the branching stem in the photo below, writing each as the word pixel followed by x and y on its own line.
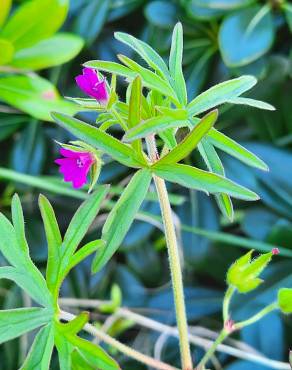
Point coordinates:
pixel 149 361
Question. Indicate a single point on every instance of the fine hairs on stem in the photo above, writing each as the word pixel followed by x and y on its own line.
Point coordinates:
pixel 174 261
pixel 149 361
pixel 244 354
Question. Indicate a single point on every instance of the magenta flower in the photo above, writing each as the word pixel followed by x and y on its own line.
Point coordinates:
pixel 92 85
pixel 75 166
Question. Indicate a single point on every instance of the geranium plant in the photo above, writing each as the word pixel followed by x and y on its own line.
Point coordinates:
pixel 156 107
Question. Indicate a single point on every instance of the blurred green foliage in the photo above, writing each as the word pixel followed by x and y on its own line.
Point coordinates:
pixel 223 39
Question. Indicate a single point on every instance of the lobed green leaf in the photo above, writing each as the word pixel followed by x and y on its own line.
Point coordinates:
pixel 124 210
pixel 14 323
pixel 244 273
pixel 54 240
pixel 39 356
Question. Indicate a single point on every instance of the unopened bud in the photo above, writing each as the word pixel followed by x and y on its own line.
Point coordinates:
pixel 275 251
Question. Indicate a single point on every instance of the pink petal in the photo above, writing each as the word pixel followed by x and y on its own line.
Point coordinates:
pixel 91 75
pixel 100 91
pixel 79 182
pixel 84 84
pixel 69 153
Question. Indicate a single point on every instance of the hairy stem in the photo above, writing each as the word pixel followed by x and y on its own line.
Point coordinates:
pixel 273 306
pixel 149 361
pixel 174 263
pixel 243 351
pixel 223 334
pixel 226 303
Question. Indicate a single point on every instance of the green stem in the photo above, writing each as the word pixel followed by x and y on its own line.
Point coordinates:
pixel 226 303
pixel 119 119
pixel 130 352
pixel 273 306
pixel 223 334
pixel 174 263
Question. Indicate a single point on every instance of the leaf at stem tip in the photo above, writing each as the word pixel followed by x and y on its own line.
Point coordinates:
pixel 175 63
pixel 244 273
pixel 151 57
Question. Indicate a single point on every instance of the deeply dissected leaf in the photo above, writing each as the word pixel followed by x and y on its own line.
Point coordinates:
pixel 94 355
pixel 220 94
pixel 69 343
pixel 186 146
pixel 74 326
pixel 18 224
pixel 30 280
pixel 244 273
pixel 34 21
pixel 79 225
pixel 40 353
pixel 208 182
pixel 98 139
pixel 50 52
pixel 16 322
pixel 175 63
pixel 34 95
pixel 124 210
pixel 13 246
pixel 54 240
pixel 85 251
pixel 285 300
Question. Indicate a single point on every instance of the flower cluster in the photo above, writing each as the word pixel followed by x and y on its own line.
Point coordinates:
pixel 76 165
